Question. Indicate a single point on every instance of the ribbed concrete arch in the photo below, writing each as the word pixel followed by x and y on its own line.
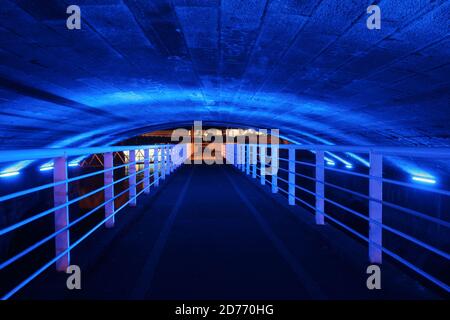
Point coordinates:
pixel 311 69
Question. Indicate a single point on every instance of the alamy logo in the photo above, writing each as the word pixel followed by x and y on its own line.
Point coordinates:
pixel 374 20
pixel 374 280
pixel 74 20
pixel 74 280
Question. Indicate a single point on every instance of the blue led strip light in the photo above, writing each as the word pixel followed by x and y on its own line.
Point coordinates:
pixel 389 204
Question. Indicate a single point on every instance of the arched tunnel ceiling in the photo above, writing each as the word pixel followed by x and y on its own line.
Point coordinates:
pixel 309 68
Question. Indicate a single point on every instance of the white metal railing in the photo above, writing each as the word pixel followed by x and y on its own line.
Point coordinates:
pixel 163 160
pixel 252 158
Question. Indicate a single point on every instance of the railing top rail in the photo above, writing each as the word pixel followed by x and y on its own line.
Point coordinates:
pixel 385 150
pixel 46 153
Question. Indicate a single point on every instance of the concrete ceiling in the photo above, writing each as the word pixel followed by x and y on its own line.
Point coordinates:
pixel 310 68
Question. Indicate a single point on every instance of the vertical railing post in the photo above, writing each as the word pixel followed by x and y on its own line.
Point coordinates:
pixel 236 155
pixel 274 165
pixel 156 166
pixel 132 177
pixel 171 163
pixel 320 187
pixel 175 164
pixel 181 157
pixel 254 160
pixel 227 156
pixel 108 162
pixel 291 176
pixel 233 154
pixel 177 156
pixel 262 156
pixel 167 164
pixel 243 157
pixel 185 155
pixel 375 208
pixel 247 159
pixel 146 171
pixel 190 152
pixel 60 194
pixel 163 163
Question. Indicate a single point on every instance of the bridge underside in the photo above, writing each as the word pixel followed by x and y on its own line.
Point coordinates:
pixel 209 233
pixel 310 68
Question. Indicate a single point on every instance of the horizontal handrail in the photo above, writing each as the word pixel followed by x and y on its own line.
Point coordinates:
pixel 70 248
pixel 162 166
pixel 243 157
pixel 385 150
pixel 53 184
pixel 68 203
pixel 389 252
pixel 368 219
pixel 46 153
pixel 358 194
pixel 54 234
pixel 362 175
